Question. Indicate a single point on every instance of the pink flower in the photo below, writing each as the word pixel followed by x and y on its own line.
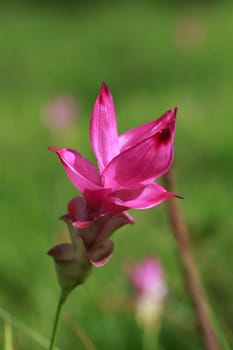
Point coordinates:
pixel 128 164
pixel 147 279
pixel 60 112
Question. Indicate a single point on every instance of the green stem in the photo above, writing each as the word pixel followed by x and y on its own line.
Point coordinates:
pixel 61 301
pixel 150 339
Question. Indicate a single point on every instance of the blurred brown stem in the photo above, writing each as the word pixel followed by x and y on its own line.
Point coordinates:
pixel 191 276
pixel 80 333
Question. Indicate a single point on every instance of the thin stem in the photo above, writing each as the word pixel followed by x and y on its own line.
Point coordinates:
pixel 192 279
pixel 61 301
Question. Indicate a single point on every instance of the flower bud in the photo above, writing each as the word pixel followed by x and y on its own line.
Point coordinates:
pixel 71 264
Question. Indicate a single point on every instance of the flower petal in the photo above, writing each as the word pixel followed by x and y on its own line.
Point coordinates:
pixel 78 210
pixel 103 128
pixel 95 199
pixel 101 253
pixel 135 135
pixel 80 171
pixel 113 223
pixel 62 252
pixel 143 162
pixel 101 228
pixel 142 198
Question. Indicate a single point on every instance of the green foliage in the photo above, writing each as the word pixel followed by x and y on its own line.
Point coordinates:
pixel 153 58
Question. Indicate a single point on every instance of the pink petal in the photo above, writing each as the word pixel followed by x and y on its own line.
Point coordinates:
pixel 96 198
pixel 142 163
pixel 110 207
pixel 145 197
pixel 148 279
pixel 103 128
pixel 79 213
pixel 80 171
pixel 78 210
pixel 135 135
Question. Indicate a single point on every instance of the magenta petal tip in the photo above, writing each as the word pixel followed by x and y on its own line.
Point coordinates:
pixel 104 87
pixel 177 196
pixel 53 149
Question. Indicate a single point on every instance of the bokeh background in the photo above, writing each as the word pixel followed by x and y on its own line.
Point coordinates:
pixel 154 55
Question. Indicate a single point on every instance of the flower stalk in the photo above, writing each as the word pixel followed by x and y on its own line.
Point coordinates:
pixel 191 275
pixel 61 301
pixel 150 338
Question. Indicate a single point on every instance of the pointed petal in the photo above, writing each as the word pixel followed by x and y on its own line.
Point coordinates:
pixel 145 197
pixel 143 162
pixel 80 171
pixel 103 128
pixel 135 135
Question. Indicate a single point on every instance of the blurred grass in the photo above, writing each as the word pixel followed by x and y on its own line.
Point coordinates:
pixel 153 58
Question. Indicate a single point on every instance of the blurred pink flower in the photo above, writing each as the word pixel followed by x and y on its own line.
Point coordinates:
pixel 128 164
pixel 60 112
pixel 148 282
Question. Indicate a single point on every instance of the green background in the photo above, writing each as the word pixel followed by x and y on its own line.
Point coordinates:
pixel 154 56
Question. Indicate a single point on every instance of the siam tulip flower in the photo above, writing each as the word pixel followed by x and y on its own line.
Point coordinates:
pixel 128 164
pixel 150 290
